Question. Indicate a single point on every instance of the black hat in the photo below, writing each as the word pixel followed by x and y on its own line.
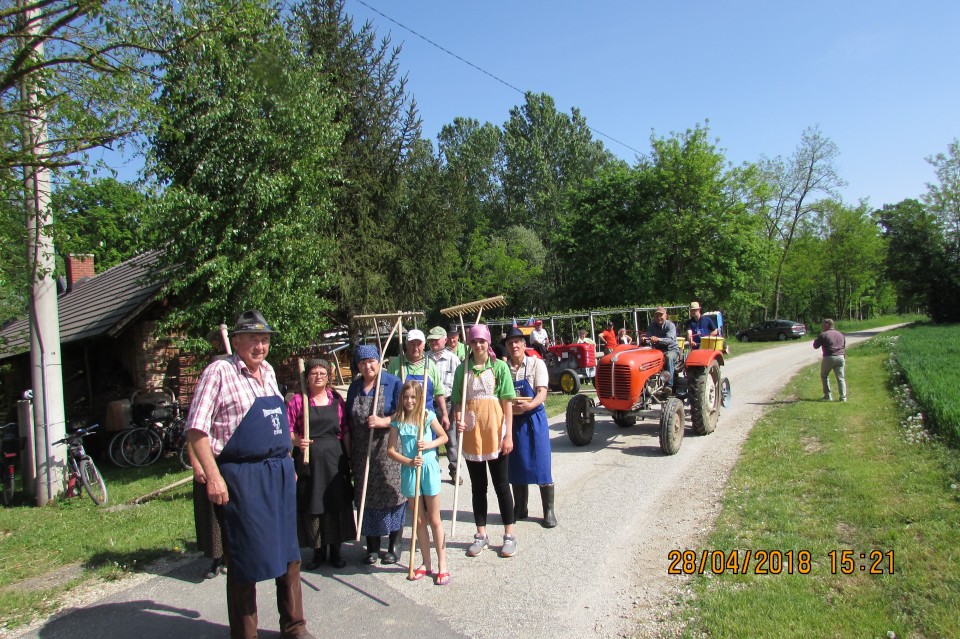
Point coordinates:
pixel 512 333
pixel 453 330
pixel 251 322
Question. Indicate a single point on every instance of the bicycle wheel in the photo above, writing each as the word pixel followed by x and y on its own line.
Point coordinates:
pixel 7 477
pixel 92 480
pixel 113 451
pixel 185 457
pixel 141 447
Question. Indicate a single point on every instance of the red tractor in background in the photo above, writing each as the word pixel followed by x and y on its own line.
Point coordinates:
pixel 631 383
pixel 568 365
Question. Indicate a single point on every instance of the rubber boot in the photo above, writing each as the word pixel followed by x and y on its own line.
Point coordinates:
pixel 373 550
pixel 520 494
pixel 549 516
pixel 392 555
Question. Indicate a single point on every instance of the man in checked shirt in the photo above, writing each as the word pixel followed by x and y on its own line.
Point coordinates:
pixel 238 429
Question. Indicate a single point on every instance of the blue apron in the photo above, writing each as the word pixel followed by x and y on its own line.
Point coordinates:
pixel 529 463
pixel 404 376
pixel 260 518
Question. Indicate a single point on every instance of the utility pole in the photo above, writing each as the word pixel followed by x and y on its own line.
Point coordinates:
pixel 45 365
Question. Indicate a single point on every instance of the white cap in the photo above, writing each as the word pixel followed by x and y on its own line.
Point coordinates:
pixel 415 334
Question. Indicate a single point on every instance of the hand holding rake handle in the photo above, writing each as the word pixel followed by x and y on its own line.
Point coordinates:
pixel 306 409
pixel 459 310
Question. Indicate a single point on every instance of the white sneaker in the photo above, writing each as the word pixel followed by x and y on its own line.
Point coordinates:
pixel 479 543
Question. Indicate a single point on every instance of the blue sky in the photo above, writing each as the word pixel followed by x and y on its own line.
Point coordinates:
pixel 879 78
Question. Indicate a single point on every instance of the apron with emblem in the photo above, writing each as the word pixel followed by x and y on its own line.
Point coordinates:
pixel 529 463
pixel 260 519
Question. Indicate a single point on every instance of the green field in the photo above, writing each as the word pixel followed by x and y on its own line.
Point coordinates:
pixel 928 357
pixel 824 478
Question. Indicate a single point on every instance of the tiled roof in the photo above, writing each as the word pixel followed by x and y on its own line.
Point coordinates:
pixel 104 304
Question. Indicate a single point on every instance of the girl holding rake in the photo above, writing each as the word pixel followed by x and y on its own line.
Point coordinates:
pixel 420 452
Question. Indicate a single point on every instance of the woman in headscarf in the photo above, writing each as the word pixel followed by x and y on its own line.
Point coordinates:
pixel 324 492
pixel 385 505
pixel 486 425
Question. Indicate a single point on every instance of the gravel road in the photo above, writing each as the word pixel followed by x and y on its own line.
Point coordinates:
pixel 622 506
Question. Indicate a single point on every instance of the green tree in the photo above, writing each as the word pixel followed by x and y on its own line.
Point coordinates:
pixel 247 149
pixel 795 183
pixel 101 218
pixel 943 197
pixel 381 130
pixel 545 154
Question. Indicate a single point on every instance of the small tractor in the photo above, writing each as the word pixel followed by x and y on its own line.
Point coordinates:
pixel 568 365
pixel 631 383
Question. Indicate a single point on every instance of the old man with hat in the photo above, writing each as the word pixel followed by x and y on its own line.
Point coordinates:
pixel 239 432
pixel 413 364
pixel 662 335
pixel 454 344
pixel 699 325
pixel 529 463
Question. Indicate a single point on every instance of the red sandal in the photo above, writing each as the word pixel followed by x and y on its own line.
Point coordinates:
pixel 419 573
pixel 442 579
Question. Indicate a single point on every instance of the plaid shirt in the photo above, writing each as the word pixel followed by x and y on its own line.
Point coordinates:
pixel 224 394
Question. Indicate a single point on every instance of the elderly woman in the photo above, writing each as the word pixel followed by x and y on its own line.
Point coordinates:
pixel 324 493
pixel 385 505
pixel 486 427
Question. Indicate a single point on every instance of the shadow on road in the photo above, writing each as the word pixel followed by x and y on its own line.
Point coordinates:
pixel 143 619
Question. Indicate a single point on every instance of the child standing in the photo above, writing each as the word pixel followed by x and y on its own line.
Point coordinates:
pixel 419 452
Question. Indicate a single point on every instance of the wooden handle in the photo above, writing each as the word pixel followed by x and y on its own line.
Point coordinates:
pixel 224 335
pixel 306 408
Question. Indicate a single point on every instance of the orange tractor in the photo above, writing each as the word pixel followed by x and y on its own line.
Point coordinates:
pixel 631 383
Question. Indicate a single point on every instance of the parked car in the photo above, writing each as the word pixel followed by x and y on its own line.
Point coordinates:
pixel 772 329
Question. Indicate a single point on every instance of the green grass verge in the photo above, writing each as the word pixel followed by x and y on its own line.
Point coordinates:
pixel 928 354
pixel 828 477
pixel 106 542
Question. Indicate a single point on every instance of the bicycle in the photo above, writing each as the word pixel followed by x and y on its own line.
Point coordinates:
pixel 8 465
pixel 82 469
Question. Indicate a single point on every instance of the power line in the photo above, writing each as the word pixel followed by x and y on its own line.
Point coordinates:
pixel 482 70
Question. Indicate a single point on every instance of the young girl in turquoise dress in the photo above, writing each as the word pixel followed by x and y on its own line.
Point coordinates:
pixel 422 453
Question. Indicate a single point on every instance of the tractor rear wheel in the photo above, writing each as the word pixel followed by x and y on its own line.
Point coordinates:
pixel 671 426
pixel 705 398
pixel 569 382
pixel 624 419
pixel 580 421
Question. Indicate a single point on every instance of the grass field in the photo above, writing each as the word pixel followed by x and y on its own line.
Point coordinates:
pixel 826 478
pixel 928 358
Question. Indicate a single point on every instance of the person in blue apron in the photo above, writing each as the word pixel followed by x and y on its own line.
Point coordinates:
pixel 240 434
pixel 413 364
pixel 529 463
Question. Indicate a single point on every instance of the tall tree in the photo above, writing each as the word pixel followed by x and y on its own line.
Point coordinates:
pixel 943 197
pixel 546 152
pixel 795 184
pixel 381 128
pixel 246 148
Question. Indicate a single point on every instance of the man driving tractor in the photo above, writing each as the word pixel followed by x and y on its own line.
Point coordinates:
pixel 662 335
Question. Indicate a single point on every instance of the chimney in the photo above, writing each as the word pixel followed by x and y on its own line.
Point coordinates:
pixel 79 268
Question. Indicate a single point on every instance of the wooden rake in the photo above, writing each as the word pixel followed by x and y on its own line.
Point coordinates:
pixel 397 319
pixel 478 306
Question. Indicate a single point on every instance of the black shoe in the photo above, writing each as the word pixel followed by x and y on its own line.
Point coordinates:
pixel 319 556
pixel 549 515
pixel 388 558
pixel 214 569
pixel 335 559
pixel 371 558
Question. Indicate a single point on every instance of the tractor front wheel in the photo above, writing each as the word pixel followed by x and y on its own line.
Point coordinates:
pixel 624 419
pixel 580 421
pixel 705 398
pixel 569 382
pixel 671 426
